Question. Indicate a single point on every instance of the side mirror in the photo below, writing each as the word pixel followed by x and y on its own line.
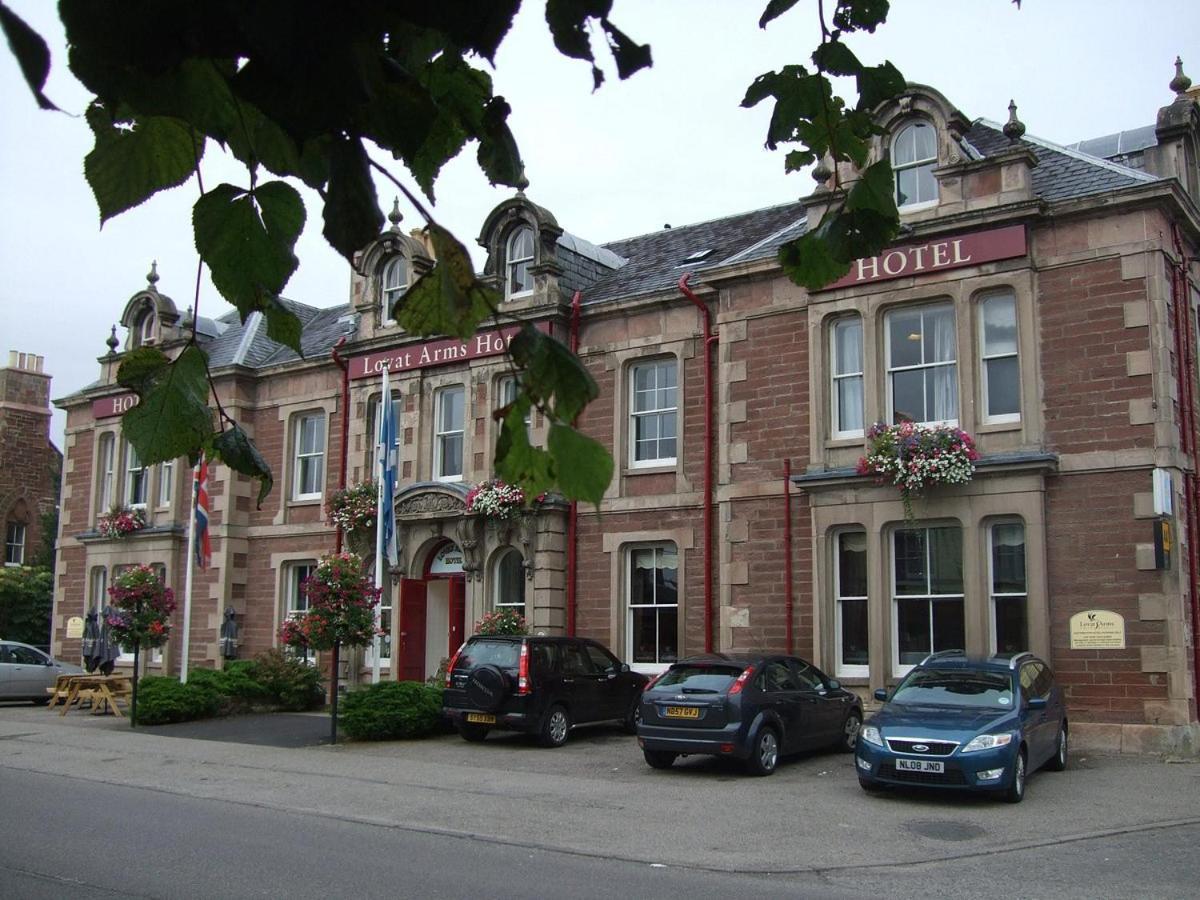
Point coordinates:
pixel 881 695
pixel 834 685
pixel 1036 703
pixel 624 667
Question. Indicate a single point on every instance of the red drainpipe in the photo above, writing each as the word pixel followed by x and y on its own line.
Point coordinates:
pixel 1185 370
pixel 709 340
pixel 345 367
pixel 787 547
pixel 573 509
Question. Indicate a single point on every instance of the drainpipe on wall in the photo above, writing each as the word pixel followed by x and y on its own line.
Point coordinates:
pixel 345 367
pixel 787 548
pixel 1185 371
pixel 709 340
pixel 573 509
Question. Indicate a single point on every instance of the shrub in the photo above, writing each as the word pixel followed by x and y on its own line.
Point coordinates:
pixel 391 710
pixel 236 684
pixel 289 683
pixel 162 700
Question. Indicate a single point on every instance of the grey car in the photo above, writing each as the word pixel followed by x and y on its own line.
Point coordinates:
pixel 26 672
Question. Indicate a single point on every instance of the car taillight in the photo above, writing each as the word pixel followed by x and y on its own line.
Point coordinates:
pixel 737 686
pixel 523 671
pixel 450 665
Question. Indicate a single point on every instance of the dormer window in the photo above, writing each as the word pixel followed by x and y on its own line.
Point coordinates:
pixel 145 328
pixel 914 157
pixel 518 257
pixel 395 281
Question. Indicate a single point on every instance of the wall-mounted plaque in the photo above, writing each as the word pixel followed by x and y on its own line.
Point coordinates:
pixel 1097 629
pixel 74 627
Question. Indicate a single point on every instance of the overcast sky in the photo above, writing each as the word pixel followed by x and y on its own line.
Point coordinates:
pixel 670 145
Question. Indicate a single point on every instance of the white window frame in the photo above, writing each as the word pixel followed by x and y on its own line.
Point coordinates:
pixel 294 572
pixel 929 161
pixel 106 459
pixel 389 293
pixel 135 475
pixel 993 594
pixel 985 358
pixel 441 435
pixel 835 378
pixel 313 455
pixel 926 368
pixel 511 261
pixel 657 548
pixel 845 670
pixel 98 585
pixel 374 405
pixel 498 582
pixel 155 653
pixel 145 327
pixel 661 413
pixel 15 534
pixel 898 669
pixel 506 393
pixel 166 482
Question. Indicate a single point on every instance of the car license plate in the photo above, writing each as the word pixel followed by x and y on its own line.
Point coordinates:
pixel 482 718
pixel 682 712
pixel 920 765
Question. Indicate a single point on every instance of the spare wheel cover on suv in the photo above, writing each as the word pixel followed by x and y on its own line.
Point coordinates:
pixel 487 687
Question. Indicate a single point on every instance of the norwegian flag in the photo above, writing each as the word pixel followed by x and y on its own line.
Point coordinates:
pixel 203 543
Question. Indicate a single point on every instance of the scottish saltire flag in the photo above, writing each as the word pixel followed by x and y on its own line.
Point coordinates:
pixel 388 463
pixel 203 542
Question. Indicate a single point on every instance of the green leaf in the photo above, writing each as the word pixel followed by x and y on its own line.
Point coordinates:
pixel 554 376
pixel 875 190
pixel 31 52
pixel 877 84
pixel 352 216
pixel 128 166
pixel 173 418
pixel 860 15
pixel 583 466
pixel 248 245
pixel 449 299
pixel 283 325
pixel 568 25
pixel 774 10
pixel 798 159
pixel 810 260
pixel 234 448
pixel 498 154
pixel 836 58
pixel 629 55
pixel 518 461
pixel 141 367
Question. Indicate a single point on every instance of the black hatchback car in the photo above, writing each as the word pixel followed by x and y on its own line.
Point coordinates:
pixel 538 685
pixel 752 708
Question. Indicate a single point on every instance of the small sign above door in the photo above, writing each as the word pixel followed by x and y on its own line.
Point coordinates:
pixel 448 561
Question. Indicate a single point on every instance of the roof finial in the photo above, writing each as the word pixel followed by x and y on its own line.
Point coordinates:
pixel 821 173
pixel 394 216
pixel 1014 127
pixel 112 341
pixel 522 182
pixel 1180 83
pixel 152 275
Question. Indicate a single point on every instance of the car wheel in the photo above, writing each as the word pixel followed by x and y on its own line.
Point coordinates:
pixel 1058 762
pixel 41 701
pixel 1016 790
pixel 555 727
pixel 659 759
pixel 764 755
pixel 634 717
pixel 848 739
pixel 870 785
pixel 473 733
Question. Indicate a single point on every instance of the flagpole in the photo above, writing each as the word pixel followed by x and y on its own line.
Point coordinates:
pixel 187 584
pixel 380 464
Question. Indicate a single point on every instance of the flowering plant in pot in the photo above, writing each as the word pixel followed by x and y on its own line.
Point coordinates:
pixel 503 621
pixel 915 457
pixel 121 521
pixel 495 499
pixel 140 610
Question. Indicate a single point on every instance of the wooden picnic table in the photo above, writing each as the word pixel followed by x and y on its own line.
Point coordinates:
pixel 106 692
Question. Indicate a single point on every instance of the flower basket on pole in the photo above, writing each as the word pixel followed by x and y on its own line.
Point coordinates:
pixel 341 611
pixel 916 457
pixel 138 616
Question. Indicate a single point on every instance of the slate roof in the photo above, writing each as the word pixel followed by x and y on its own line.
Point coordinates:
pixel 248 345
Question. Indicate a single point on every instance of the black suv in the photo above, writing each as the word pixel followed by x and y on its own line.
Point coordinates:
pixel 539 685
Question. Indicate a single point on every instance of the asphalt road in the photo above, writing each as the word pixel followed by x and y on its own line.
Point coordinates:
pixel 89 807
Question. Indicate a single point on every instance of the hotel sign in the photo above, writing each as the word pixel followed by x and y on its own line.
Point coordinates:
pixel 435 353
pixel 938 255
pixel 1097 629
pixel 107 407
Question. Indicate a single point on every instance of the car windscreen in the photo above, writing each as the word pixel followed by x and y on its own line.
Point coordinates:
pixel 699 679
pixel 503 654
pixel 955 687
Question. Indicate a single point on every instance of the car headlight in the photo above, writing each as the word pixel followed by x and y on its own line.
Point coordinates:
pixel 988 742
pixel 870 734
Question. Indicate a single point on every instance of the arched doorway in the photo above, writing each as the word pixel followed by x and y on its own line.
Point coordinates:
pixel 432 613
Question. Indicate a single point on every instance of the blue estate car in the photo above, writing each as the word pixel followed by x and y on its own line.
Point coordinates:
pixel 962 722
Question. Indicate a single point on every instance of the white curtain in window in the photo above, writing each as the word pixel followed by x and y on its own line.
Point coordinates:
pixel 945 377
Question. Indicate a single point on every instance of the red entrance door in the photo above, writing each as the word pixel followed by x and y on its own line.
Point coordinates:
pixel 458 612
pixel 412 630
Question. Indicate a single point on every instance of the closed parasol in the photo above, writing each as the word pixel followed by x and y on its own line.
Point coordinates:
pixel 91 637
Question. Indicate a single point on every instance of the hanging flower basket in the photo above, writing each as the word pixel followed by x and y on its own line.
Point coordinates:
pixel 120 521
pixel 495 500
pixel 341 607
pixel 915 457
pixel 353 508
pixel 141 606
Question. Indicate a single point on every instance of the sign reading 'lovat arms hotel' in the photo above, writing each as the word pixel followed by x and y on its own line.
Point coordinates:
pixel 435 353
pixel 937 255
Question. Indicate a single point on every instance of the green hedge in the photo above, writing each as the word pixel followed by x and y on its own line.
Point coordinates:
pixel 391 710
pixel 162 700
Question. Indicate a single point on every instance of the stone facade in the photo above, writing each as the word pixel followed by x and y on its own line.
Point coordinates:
pixel 30 464
pixel 1051 300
